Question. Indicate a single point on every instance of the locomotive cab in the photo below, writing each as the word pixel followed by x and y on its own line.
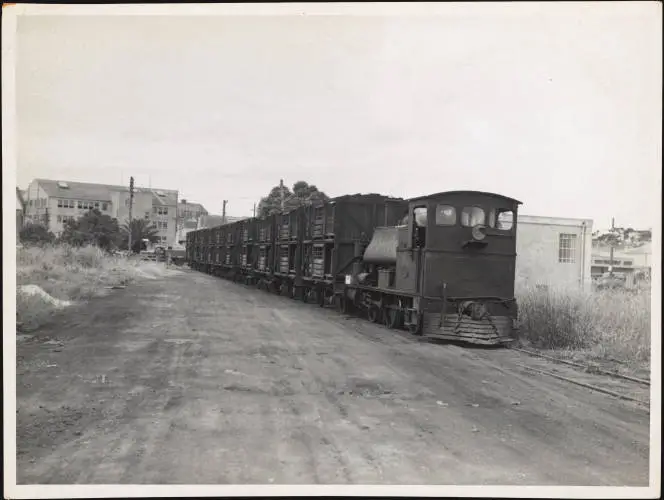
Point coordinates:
pixel 459 258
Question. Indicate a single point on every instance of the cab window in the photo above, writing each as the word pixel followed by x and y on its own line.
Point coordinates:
pixel 471 216
pixel 445 215
pixel 420 214
pixel 501 219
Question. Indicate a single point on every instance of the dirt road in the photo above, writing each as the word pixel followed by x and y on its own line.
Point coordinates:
pixel 195 380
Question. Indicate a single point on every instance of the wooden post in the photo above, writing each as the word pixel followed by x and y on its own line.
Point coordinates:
pixel 611 248
pixel 131 206
pixel 281 192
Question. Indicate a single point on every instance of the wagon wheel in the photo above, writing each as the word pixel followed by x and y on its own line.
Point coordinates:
pixel 415 328
pixel 392 317
pixel 373 313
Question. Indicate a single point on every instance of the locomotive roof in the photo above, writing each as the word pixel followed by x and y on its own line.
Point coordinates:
pixel 482 193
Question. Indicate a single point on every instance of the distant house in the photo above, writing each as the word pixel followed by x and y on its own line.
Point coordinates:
pixel 190 210
pixel 630 261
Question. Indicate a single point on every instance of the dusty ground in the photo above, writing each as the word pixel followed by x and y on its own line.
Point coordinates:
pixel 192 379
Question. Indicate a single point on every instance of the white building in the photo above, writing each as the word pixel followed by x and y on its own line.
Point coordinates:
pixel 553 251
pixel 54 202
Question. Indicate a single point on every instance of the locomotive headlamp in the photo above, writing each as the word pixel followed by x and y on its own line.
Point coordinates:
pixel 478 232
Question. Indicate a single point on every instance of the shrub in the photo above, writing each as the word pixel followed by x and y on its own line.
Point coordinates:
pixel 611 323
pixel 70 273
pixel 35 234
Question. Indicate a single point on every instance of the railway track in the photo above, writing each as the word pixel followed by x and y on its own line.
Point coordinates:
pixel 612 384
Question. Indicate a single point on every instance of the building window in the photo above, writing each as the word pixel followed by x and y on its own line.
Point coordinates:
pixel 445 215
pixel 471 216
pixel 160 210
pixel 59 203
pixel 567 248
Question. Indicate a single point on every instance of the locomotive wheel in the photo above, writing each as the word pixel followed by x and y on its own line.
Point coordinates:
pixel 392 317
pixel 373 313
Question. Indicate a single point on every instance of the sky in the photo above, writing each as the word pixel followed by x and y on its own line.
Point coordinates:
pixel 557 106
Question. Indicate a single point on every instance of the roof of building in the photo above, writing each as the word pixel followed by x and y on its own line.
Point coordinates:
pixel 101 192
pixel 646 248
pixel 192 206
pixel 554 221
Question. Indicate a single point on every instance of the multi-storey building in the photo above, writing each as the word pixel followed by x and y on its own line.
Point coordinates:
pixel 55 202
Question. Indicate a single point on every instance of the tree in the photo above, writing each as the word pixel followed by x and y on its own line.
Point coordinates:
pixel 140 229
pixel 92 228
pixel 35 234
pixel 301 194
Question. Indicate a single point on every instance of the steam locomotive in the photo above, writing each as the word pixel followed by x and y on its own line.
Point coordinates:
pixel 439 266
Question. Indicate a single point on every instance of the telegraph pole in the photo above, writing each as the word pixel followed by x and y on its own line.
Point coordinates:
pixel 131 206
pixel 254 209
pixel 223 212
pixel 281 192
pixel 613 227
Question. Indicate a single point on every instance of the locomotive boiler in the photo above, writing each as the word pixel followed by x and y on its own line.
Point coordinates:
pixel 440 266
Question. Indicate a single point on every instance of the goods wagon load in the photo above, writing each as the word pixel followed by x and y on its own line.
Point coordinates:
pixel 441 265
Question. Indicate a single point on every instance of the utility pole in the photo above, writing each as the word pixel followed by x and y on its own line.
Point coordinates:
pixel 131 207
pixel 223 212
pixel 254 209
pixel 281 192
pixel 613 228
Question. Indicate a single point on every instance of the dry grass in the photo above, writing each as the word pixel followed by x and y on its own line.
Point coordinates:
pixel 72 274
pixel 611 325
